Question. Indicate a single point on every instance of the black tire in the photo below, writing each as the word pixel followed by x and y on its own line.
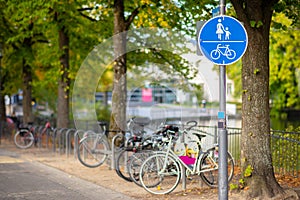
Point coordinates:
pixel 208 161
pixel 24 139
pixel 136 161
pixel 122 164
pixel 93 150
pixel 157 178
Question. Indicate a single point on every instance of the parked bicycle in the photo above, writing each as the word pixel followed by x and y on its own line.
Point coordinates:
pixel 94 148
pixel 26 136
pixel 161 172
pixel 132 157
pixel 138 148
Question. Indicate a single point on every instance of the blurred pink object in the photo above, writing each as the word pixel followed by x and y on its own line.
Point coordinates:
pixel 188 160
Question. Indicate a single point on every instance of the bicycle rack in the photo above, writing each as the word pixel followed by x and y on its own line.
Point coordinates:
pixel 39 131
pixel 48 133
pixel 113 150
pixel 60 139
pixel 34 132
pixel 76 137
pixel 89 132
pixel 68 141
pixel 54 139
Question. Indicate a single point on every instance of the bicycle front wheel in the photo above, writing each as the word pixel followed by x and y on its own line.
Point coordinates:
pixel 209 164
pixel 122 164
pixel 160 174
pixel 136 161
pixel 24 139
pixel 93 150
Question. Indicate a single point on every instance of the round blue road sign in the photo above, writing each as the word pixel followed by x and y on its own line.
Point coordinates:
pixel 223 40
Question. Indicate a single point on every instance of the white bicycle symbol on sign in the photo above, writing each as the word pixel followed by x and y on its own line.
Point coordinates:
pixel 222 50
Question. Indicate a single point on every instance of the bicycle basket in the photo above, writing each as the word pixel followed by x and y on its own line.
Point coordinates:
pixel 137 125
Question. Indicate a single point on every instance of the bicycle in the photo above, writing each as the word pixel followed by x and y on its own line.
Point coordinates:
pixel 26 136
pixel 134 141
pixel 94 149
pixel 161 172
pixel 136 155
pixel 137 148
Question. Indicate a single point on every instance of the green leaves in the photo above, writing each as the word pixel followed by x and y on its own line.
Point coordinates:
pixel 256 24
pixel 248 171
pixel 284 64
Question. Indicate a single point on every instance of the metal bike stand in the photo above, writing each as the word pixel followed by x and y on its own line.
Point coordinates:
pixel 76 141
pixel 88 132
pixel 68 141
pixel 60 139
pixel 39 131
pixel 47 136
pixel 35 132
pixel 53 139
pixel 113 150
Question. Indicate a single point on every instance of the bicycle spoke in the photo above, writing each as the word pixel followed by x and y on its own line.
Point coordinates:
pixel 160 174
pixel 93 151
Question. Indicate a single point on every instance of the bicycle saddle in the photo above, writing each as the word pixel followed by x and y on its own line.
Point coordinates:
pixel 199 135
pixel 142 121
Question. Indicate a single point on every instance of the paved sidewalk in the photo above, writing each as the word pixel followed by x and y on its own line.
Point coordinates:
pixel 103 176
pixel 21 178
pixel 101 180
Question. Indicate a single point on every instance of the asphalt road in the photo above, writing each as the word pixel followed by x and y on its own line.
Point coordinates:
pixel 26 180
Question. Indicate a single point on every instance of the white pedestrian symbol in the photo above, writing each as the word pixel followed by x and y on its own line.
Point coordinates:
pixel 221 30
pixel 227 33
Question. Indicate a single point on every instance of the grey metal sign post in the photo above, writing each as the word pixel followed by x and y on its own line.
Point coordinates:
pixel 222 130
pixel 223 40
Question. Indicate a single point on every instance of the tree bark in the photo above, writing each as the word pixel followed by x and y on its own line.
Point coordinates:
pixel 27 93
pixel 2 104
pixel 255 141
pixel 2 100
pixel 64 81
pixel 119 93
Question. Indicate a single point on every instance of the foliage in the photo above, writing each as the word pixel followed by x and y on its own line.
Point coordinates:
pixel 46 18
pixel 284 64
pixel 103 112
pixel 234 72
pixel 248 171
pixel 286 142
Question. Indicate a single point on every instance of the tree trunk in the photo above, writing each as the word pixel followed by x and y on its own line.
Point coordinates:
pixel 119 93
pixel 63 82
pixel 2 100
pixel 2 105
pixel 27 93
pixel 255 141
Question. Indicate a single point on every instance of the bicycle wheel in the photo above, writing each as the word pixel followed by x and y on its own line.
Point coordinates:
pixel 122 164
pixel 136 161
pixel 215 54
pixel 24 139
pixel 93 150
pixel 210 165
pixel 160 174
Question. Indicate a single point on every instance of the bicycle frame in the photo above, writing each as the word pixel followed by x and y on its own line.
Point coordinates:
pixel 95 142
pixel 196 166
